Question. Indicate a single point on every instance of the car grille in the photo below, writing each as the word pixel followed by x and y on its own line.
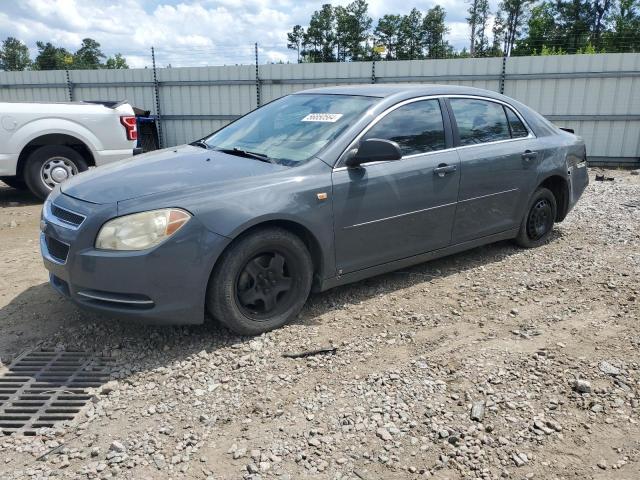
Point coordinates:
pixel 57 249
pixel 67 216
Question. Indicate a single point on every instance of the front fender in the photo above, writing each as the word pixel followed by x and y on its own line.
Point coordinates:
pixel 232 208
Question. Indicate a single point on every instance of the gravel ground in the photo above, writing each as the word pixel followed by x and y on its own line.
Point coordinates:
pixel 495 363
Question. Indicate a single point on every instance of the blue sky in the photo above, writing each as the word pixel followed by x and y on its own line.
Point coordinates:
pixel 188 32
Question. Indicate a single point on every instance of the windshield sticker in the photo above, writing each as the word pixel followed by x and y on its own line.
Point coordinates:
pixel 322 117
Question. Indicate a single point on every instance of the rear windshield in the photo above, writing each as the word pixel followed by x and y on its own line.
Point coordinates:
pixel 294 128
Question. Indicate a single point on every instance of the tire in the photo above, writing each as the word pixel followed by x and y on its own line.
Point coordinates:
pixel 260 282
pixel 537 223
pixel 51 165
pixel 15 182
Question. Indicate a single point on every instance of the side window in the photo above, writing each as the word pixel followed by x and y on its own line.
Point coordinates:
pixel 518 129
pixel 417 127
pixel 479 121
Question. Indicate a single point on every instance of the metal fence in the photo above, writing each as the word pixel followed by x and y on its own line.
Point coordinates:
pixel 596 95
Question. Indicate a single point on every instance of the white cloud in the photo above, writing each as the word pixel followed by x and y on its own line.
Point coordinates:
pixel 188 32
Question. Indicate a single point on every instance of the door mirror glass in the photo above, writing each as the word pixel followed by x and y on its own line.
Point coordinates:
pixel 374 150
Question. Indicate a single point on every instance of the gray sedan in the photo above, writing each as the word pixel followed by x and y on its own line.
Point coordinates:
pixel 311 191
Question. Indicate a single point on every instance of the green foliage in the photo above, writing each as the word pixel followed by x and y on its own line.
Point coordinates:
pixel 14 55
pixel 387 35
pixel 117 62
pixel 434 30
pixel 88 56
pixel 582 26
pixel 51 57
pixel 295 39
pixel 478 19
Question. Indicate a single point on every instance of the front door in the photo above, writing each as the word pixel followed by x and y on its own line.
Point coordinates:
pixel 498 159
pixel 386 211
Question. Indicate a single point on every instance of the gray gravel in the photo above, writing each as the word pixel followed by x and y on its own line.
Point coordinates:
pixel 495 363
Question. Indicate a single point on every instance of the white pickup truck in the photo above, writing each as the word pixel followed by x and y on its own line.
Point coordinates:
pixel 43 144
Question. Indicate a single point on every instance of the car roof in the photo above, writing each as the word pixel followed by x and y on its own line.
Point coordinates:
pixel 394 89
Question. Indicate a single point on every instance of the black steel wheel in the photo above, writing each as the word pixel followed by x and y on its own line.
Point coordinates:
pixel 260 282
pixel 264 285
pixel 538 221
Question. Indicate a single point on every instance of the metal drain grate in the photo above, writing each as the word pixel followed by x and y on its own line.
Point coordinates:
pixel 43 388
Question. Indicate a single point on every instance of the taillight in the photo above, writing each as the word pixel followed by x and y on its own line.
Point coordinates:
pixel 130 126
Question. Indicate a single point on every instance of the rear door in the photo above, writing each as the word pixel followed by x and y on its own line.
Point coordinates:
pixel 498 160
pixel 386 211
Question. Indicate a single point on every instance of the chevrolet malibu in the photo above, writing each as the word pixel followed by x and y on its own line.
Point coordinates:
pixel 311 191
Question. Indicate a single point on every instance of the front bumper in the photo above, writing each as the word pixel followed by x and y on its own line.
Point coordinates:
pixel 166 284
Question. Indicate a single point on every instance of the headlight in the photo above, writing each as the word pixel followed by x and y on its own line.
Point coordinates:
pixel 141 230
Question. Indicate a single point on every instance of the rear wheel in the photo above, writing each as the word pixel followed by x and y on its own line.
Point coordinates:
pixel 538 222
pixel 51 165
pixel 261 282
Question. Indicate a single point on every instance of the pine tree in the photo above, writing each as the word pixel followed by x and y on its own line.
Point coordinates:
pixel 14 55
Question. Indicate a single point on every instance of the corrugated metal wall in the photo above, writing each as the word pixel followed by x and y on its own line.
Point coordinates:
pixel 597 95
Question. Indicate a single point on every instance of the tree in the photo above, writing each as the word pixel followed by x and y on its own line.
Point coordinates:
pixel 88 56
pixel 321 35
pixel 573 19
pixel 482 18
pixel 387 34
pixel 344 26
pixel 14 55
pixel 434 30
pixel 295 39
pixel 472 20
pixel 498 34
pixel 51 57
pixel 625 34
pixel 411 38
pixel 541 30
pixel 116 62
pixel 514 11
pixel 359 27
pixel 600 13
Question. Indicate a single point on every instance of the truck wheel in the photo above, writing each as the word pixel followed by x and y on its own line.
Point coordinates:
pixel 537 223
pixel 261 282
pixel 49 166
pixel 14 182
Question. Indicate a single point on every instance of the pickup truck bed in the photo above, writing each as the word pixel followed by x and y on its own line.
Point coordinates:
pixel 42 144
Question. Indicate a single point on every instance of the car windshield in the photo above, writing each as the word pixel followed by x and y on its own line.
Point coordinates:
pixel 291 129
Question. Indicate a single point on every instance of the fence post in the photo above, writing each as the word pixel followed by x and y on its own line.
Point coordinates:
pixel 503 73
pixel 373 71
pixel 257 76
pixel 156 88
pixel 69 86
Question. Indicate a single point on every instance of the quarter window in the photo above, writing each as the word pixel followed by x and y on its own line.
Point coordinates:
pixel 416 127
pixel 479 121
pixel 518 130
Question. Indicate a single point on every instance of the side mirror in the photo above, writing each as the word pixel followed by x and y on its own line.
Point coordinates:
pixel 374 150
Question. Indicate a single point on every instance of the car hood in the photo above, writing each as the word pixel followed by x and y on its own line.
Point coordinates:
pixel 171 169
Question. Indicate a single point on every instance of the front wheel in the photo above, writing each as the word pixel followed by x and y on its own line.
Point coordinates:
pixel 49 166
pixel 261 282
pixel 538 222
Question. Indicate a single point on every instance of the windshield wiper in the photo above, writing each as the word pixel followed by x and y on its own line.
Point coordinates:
pixel 245 153
pixel 201 144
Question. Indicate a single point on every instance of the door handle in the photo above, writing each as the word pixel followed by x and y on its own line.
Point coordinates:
pixel 442 169
pixel 529 155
